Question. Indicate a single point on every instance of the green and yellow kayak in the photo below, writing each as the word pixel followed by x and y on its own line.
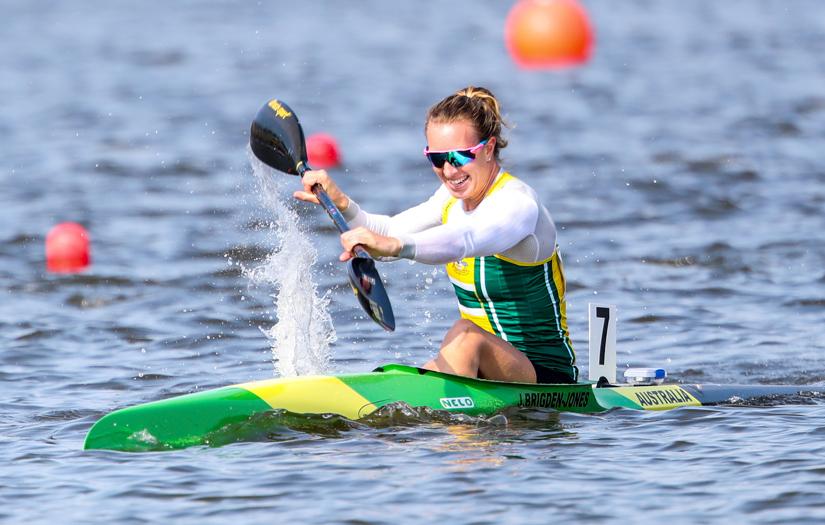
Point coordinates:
pixel 189 420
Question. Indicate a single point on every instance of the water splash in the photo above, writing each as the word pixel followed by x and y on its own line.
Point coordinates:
pixel 300 339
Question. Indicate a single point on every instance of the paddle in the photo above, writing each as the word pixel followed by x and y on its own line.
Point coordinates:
pixel 277 139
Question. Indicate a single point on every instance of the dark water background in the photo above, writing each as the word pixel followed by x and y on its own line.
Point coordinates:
pixel 683 166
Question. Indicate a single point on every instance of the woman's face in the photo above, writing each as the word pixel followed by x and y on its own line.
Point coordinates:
pixel 471 181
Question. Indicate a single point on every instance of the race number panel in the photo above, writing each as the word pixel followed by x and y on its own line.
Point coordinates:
pixel 602 345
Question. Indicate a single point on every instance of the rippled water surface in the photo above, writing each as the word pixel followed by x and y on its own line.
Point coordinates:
pixel 683 166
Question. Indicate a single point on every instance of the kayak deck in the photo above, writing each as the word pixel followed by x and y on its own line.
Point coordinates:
pixel 188 420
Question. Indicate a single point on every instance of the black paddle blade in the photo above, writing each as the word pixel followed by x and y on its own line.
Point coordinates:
pixel 368 288
pixel 277 138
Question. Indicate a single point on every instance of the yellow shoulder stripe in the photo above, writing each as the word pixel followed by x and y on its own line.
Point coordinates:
pixel 497 185
pixel 446 209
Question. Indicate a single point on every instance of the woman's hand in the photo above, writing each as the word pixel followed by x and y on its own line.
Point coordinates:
pixel 376 245
pixel 321 177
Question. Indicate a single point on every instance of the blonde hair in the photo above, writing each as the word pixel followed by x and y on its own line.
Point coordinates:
pixel 477 105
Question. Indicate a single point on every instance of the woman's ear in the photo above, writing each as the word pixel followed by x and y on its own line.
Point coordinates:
pixel 492 144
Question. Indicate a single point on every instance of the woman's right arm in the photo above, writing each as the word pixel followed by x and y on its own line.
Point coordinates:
pixel 400 226
pixel 415 219
pixel 389 238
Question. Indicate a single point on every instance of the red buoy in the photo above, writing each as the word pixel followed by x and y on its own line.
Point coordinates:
pixel 67 248
pixel 548 34
pixel 322 151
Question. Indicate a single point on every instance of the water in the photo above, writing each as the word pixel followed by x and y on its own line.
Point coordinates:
pixel 683 167
pixel 301 336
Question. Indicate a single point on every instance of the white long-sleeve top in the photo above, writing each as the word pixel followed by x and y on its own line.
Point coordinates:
pixel 510 221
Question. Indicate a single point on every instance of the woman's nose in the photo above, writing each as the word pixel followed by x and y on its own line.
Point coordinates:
pixel 449 169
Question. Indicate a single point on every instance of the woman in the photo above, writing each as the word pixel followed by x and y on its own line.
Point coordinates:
pixel 497 239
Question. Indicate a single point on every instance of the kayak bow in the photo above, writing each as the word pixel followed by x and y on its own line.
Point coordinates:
pixel 188 420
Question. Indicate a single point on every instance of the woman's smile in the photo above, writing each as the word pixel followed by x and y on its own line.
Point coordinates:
pixel 458 183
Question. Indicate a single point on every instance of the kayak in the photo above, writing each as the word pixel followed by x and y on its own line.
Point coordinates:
pixel 191 419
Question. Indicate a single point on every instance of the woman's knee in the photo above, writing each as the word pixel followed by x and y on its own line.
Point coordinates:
pixel 460 332
pixel 464 337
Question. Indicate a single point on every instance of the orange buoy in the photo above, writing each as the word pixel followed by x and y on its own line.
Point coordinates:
pixel 67 248
pixel 548 34
pixel 322 151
